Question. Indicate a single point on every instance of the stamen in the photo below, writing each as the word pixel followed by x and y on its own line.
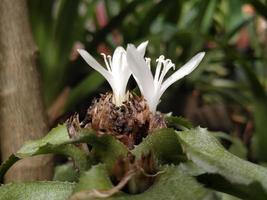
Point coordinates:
pixel 161 72
pixel 158 69
pixel 169 62
pixel 148 62
pixel 110 62
pixel 106 62
pixel 167 65
pixel 160 59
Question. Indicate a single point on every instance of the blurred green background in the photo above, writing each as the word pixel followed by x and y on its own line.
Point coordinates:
pixel 226 93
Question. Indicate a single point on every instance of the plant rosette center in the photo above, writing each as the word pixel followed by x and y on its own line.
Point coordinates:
pixel 130 122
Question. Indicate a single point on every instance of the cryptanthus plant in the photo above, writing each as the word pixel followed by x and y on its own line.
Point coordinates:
pixel 123 148
pixel 127 116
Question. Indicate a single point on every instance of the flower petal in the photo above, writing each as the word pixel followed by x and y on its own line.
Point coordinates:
pixel 141 72
pixel 142 48
pixel 94 64
pixel 120 73
pixel 117 59
pixel 183 71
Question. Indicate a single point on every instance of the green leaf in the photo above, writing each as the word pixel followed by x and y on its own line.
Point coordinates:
pixel 237 148
pixel 64 27
pixel 48 144
pixel 80 158
pixel 260 116
pixel 171 184
pixel 148 19
pixel 207 15
pixel 223 196
pixel 95 178
pixel 178 122
pixel 57 142
pixel 66 172
pixel 233 15
pixel 40 15
pixel 238 175
pixel 259 98
pixel 162 143
pixel 106 148
pixel 219 183
pixel 36 190
pixel 57 136
pixel 236 29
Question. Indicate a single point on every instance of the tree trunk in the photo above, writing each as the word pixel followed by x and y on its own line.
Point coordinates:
pixel 22 115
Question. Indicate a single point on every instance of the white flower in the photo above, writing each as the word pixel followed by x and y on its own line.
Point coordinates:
pixel 117 73
pixel 151 87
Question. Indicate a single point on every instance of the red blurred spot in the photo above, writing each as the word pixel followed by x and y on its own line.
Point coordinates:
pixel 101 14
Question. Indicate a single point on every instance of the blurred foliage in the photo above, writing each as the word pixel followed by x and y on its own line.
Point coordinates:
pixel 233 33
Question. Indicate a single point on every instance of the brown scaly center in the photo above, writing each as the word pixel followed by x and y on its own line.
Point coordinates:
pixel 130 122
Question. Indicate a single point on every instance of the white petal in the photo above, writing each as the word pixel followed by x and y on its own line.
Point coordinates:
pixel 141 72
pixel 119 66
pixel 142 48
pixel 121 73
pixel 94 64
pixel 117 59
pixel 183 71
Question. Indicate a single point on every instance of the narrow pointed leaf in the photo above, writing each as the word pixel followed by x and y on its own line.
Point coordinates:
pixel 206 152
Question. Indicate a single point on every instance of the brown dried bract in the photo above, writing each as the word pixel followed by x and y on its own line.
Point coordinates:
pixel 129 123
pixel 73 125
